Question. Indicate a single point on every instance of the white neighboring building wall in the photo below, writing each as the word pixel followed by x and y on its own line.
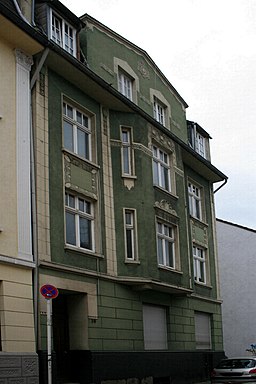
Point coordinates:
pixel 237 269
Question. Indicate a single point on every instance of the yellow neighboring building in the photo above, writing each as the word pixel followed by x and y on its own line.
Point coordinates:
pixel 18 358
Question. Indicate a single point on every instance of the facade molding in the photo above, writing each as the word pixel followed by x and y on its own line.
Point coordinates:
pixel 23 121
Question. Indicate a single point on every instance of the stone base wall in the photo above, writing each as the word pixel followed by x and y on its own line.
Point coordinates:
pixel 19 368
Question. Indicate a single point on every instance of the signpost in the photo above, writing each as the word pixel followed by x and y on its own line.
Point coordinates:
pixel 49 292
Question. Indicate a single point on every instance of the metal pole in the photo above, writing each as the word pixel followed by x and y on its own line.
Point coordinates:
pixel 49 341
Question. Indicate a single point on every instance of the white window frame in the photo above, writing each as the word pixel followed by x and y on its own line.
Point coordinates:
pixel 127 152
pixel 130 234
pixel 62 33
pixel 161 168
pixel 78 122
pixel 199 261
pixel 166 244
pixel 125 84
pixel 159 111
pixel 203 330
pixel 198 141
pixel 200 144
pixel 155 327
pixel 79 215
pixel 195 200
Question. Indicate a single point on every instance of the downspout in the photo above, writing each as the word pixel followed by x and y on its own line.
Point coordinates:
pixel 19 11
pixel 33 197
pixel 215 239
pixel 33 13
pixel 222 185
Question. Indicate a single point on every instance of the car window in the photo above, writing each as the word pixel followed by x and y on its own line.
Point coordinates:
pixel 236 363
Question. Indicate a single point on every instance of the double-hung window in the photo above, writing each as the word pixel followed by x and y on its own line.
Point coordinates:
pixel 79 222
pixel 159 111
pixel 130 234
pixel 63 34
pixel 127 158
pixel 166 244
pixel 195 201
pixel 161 169
pixel 200 144
pixel 125 83
pixel 199 264
pixel 77 131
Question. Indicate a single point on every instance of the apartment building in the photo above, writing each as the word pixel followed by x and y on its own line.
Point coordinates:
pixel 123 214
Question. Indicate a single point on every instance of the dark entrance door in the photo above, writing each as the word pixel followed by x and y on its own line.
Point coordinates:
pixel 60 324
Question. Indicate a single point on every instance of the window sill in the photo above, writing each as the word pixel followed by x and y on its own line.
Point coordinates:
pixel 75 155
pixel 124 176
pixel 136 262
pixel 203 285
pixel 169 193
pixel 199 221
pixel 86 252
pixel 169 269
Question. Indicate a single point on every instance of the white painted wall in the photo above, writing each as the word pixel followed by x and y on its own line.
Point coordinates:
pixel 237 267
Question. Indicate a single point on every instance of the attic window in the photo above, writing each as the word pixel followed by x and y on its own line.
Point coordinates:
pixel 63 34
pixel 198 140
pixel 159 111
pixel 125 84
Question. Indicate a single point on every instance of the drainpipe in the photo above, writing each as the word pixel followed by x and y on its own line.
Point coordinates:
pixel 222 185
pixel 33 196
pixel 33 13
pixel 215 239
pixel 19 11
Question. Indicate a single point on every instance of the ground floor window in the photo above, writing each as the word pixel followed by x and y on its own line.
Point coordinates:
pixel 203 330
pixel 155 327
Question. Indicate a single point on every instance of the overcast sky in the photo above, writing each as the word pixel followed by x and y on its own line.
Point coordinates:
pixel 207 50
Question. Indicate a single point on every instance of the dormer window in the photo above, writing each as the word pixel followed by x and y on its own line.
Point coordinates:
pixel 63 34
pixel 198 139
pixel 200 144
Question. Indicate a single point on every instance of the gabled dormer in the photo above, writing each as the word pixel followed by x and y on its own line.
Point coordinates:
pixel 59 24
pixel 198 139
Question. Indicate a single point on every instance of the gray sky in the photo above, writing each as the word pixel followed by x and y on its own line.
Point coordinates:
pixel 207 50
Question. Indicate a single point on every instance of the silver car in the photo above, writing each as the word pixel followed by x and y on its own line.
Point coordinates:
pixel 235 370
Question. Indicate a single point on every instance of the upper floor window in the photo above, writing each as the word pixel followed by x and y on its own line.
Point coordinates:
pixel 125 84
pixel 63 34
pixel 199 264
pixel 127 153
pixel 130 234
pixel 77 131
pixel 195 201
pixel 127 79
pixel 161 169
pixel 166 244
pixel 79 222
pixel 200 144
pixel 198 139
pixel 159 111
